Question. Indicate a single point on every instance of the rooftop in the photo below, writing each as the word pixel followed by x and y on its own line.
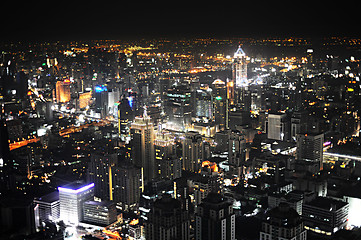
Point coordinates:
pixel 76 187
pixel 50 198
pixel 327 203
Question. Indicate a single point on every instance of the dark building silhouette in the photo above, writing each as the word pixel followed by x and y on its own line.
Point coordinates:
pixel 215 219
pixel 167 220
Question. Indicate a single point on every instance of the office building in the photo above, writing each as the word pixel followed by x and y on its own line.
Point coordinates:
pixel 63 91
pixel 100 173
pixel 325 215
pixel 48 207
pixel 101 213
pixel 127 185
pixel 142 142
pixel 169 165
pixel 310 149
pixel 178 106
pixel 240 68
pixel 215 219
pixel 167 220
pixel 283 223
pixel 220 104
pixel 204 103
pixel 71 197
pixel 277 126
pixel 192 151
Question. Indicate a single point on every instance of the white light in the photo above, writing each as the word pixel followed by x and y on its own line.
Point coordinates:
pixel 41 132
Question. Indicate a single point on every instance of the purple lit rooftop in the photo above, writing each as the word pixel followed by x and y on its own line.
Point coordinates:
pixel 76 187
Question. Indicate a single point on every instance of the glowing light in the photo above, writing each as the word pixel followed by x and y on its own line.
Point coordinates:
pixel 134 222
pixel 100 88
pixel 218 81
pixel 211 165
pixel 76 191
pixel 218 98
pixel 130 101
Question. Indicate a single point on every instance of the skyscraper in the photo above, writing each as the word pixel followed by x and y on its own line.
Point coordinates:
pixel 63 91
pixel 127 185
pixel 192 151
pixel 100 173
pixel 310 148
pixel 215 219
pixel 167 220
pixel 143 145
pixel 220 103
pixel 278 126
pixel 71 197
pixel 240 68
pixel 283 223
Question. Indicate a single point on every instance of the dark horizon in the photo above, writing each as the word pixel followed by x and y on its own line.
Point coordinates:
pixel 182 21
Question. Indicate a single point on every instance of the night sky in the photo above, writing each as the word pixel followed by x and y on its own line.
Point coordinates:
pixel 100 20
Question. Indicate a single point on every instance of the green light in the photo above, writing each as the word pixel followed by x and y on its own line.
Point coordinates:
pixel 218 98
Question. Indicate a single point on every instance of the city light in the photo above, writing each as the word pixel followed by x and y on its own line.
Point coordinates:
pixel 76 191
pixel 136 132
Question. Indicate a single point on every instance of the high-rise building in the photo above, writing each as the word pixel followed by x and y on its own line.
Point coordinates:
pixel 100 173
pixel 48 207
pixel 278 126
pixel 240 68
pixel 167 220
pixel 215 219
pixel 5 157
pixel 325 215
pixel 192 151
pixel 283 223
pixel 220 104
pixel 127 185
pixel 178 106
pixel 142 142
pixel 99 213
pixel 62 91
pixel 310 148
pixel 204 103
pixel 71 197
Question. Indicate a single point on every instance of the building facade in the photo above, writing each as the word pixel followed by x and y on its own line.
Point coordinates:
pixel 167 220
pixel 215 219
pixel 283 223
pixel 71 197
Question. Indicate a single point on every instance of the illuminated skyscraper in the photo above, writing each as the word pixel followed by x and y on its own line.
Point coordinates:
pixel 192 152
pixel 71 197
pixel 220 103
pixel 63 91
pixel 240 68
pixel 142 132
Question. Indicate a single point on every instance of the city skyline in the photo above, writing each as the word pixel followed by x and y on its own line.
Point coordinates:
pixel 184 137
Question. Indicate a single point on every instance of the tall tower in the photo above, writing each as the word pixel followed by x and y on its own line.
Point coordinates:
pixel 310 148
pixel 143 145
pixel 220 103
pixel 283 222
pixel 240 68
pixel 215 219
pixel 192 152
pixel 71 197
pixel 167 219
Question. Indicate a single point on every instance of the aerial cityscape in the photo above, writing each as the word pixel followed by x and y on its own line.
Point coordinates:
pixel 181 138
